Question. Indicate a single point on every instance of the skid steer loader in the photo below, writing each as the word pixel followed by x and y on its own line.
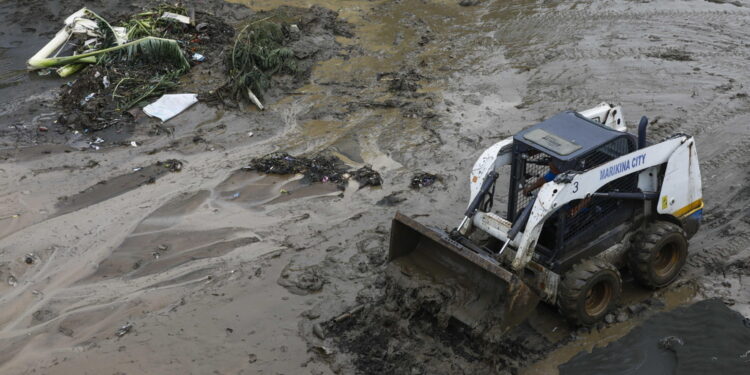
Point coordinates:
pixel 585 199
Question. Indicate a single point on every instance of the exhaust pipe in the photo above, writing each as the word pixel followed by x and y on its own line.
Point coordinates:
pixel 642 132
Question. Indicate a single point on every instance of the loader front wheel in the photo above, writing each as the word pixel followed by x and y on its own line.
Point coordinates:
pixel 589 291
pixel 658 254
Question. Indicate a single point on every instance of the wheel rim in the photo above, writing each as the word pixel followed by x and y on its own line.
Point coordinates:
pixel 597 298
pixel 666 260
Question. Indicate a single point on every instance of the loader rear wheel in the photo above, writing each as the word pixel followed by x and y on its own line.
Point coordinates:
pixel 589 291
pixel 658 254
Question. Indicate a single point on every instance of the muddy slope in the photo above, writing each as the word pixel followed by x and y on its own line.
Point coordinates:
pixel 211 281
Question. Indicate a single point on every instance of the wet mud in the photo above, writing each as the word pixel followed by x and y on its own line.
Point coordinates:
pixel 217 269
pixel 669 343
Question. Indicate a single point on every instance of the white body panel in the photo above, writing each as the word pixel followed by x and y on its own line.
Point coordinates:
pixel 681 189
pixel 553 195
pixel 607 115
pixel 681 186
pixel 492 158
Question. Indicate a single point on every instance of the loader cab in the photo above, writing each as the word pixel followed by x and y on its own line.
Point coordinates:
pixel 571 142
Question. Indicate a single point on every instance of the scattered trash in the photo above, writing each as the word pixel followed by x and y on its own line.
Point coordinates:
pixel 293 29
pixel 125 329
pixel 314 168
pixel 170 105
pixel 366 176
pixel 95 143
pixel 423 179
pixel 12 281
pixel 323 167
pixel 324 350
pixel 134 143
pixel 29 258
pixel 201 27
pixel 176 17
pixel 284 191
pixel 156 255
pixel 43 129
pixel 173 165
pixel 88 98
pixel 163 247
pixel 140 58
pixel 235 196
pixel 137 169
pixel 252 358
pixel 198 57
pixel 250 134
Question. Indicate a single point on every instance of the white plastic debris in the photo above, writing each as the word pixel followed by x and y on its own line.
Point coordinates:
pixel 176 17
pixel 198 57
pixel 170 105
pixel 87 98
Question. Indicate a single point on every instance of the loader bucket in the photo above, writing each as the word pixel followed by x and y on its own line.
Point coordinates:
pixel 481 287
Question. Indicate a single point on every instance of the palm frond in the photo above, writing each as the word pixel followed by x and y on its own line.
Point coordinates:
pixel 257 54
pixel 158 50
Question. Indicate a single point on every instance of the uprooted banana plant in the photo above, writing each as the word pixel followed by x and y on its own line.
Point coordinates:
pixel 110 40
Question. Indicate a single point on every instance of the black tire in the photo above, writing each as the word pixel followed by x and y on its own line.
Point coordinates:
pixel 589 291
pixel 658 254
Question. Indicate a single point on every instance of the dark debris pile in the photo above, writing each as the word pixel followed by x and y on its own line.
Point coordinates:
pixel 423 179
pixel 322 167
pixel 366 176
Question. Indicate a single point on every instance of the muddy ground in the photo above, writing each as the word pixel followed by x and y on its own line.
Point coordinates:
pixel 215 269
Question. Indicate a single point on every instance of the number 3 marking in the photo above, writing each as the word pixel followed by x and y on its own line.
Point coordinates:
pixel 575 187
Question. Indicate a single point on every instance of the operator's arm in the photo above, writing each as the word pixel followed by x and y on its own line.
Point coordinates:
pixel 549 176
pixel 583 203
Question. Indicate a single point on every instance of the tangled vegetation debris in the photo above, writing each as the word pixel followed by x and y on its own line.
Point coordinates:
pixel 366 176
pixel 257 54
pixel 323 167
pixel 126 63
pixel 127 75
